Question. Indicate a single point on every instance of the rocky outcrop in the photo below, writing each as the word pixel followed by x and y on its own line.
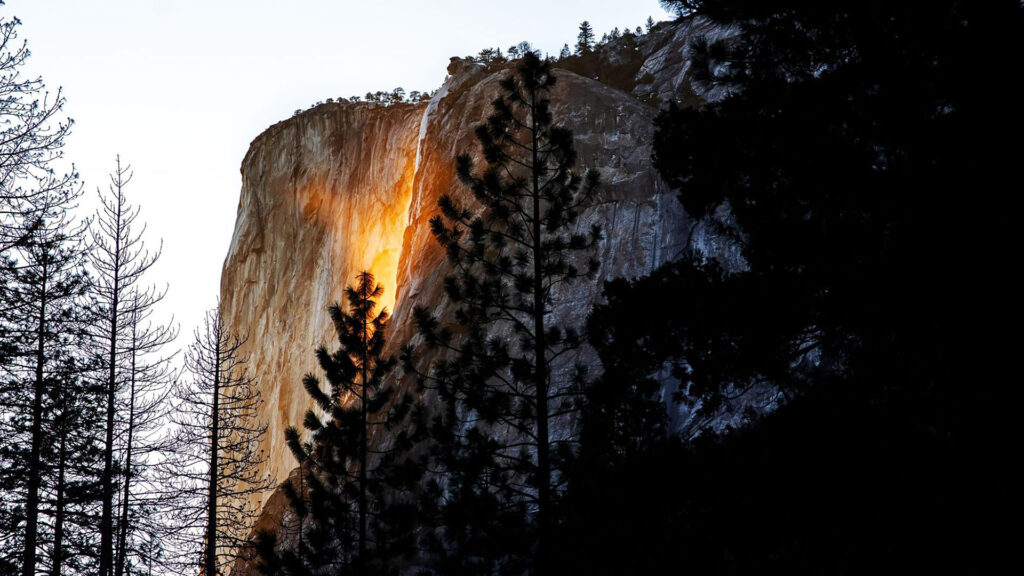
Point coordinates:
pixel 665 74
pixel 347 186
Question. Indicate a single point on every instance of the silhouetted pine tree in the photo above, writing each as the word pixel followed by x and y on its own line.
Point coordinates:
pixel 585 39
pixel 354 512
pixel 45 373
pixel 493 437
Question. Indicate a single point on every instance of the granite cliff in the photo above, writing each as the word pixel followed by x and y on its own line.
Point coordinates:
pixel 324 196
pixel 350 186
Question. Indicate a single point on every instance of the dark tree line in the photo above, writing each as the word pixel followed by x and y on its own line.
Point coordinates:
pixel 396 96
pixel 585 47
pixel 851 147
pixel 82 390
pixel 87 477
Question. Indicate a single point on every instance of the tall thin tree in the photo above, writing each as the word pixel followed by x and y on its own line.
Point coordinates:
pixel 120 261
pixel 149 375
pixel 509 256
pixel 217 460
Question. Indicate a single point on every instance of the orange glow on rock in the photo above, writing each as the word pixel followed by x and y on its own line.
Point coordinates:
pixel 325 195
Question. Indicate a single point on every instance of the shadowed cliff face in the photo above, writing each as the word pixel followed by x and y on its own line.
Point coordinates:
pixel 643 223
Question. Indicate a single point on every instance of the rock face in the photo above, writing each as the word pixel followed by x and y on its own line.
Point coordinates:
pixel 344 187
pixel 665 74
pixel 643 223
pixel 324 196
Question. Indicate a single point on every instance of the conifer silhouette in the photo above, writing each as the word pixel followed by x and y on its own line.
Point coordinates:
pixel 512 255
pixel 348 466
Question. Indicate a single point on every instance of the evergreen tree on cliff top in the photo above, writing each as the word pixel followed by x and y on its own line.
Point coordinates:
pixel 514 254
pixel 585 39
pixel 353 458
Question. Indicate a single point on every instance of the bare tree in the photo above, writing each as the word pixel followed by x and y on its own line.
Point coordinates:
pixel 141 440
pixel 32 133
pixel 120 260
pixel 216 461
pixel 513 259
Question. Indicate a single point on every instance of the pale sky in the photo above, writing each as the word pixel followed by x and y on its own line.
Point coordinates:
pixel 180 88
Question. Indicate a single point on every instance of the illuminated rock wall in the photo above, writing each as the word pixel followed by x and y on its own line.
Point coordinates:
pixel 324 196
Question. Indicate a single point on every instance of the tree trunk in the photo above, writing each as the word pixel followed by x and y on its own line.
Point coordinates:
pixel 107 481
pixel 122 536
pixel 540 357
pixel 211 503
pixel 362 456
pixel 28 567
pixel 57 559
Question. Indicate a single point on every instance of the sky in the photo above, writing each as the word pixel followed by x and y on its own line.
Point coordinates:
pixel 179 88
